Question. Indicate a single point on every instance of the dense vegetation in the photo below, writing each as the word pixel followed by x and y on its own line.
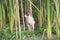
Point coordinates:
pixel 46 14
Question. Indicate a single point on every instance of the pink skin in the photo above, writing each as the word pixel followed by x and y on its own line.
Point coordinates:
pixel 30 22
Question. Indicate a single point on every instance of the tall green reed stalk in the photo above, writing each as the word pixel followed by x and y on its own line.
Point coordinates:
pixel 26 5
pixel 31 8
pixel 17 19
pixel 22 14
pixel 0 16
pixel 10 14
pixel 48 21
pixel 34 6
pixel 56 2
pixel 40 14
pixel 3 16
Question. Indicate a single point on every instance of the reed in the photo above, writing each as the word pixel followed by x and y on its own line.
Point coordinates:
pixel 40 14
pixel 48 20
pixel 56 2
pixel 10 15
pixel 17 19
pixel 22 14
pixel 0 16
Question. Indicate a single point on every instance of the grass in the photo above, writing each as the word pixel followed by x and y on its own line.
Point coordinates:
pixel 25 35
pixel 11 13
